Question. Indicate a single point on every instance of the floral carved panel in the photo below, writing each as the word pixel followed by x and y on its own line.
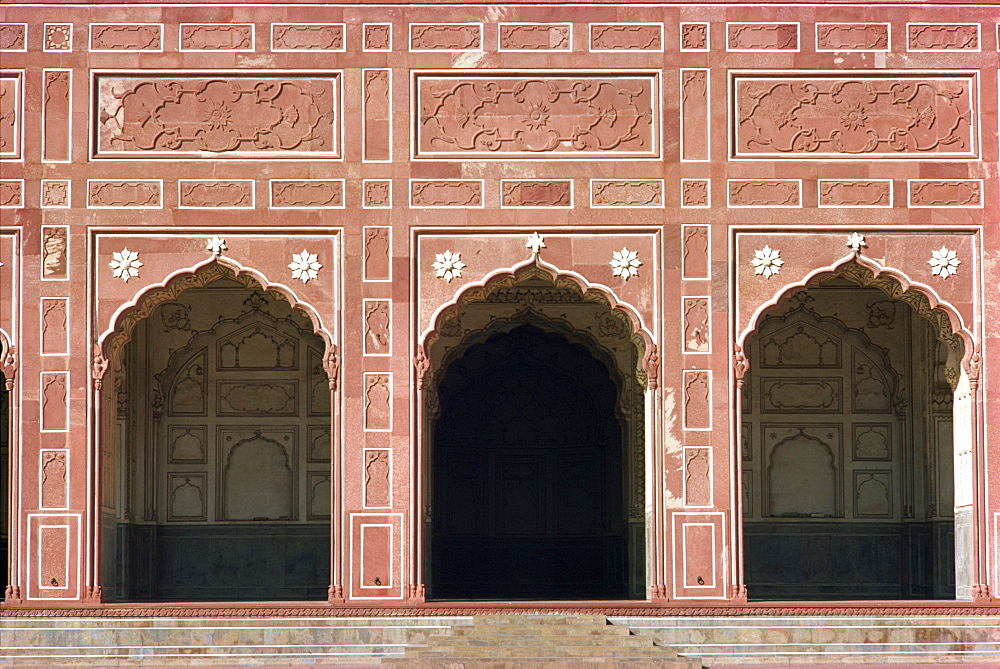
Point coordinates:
pixel 836 116
pixel 226 116
pixel 505 116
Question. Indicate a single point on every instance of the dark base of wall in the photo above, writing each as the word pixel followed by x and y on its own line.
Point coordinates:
pixel 824 560
pixel 224 562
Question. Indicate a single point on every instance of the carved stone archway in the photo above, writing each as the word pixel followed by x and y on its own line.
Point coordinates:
pixel 538 295
pixel 959 364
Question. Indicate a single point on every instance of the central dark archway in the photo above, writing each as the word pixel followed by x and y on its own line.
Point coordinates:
pixel 527 473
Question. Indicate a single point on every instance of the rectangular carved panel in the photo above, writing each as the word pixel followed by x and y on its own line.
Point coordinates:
pixel 376 193
pixel 12 193
pixel 697 400
pixel 502 116
pixel 942 37
pixel 626 37
pixel 806 395
pixel 762 36
pixel 13 36
pixel 855 193
pixel 696 193
pixel 55 193
pixel 214 194
pixel 378 327
pixel 53 557
pixel 873 494
pixel 377 37
pixel 56 115
pixel 375 550
pixel 228 115
pixel 145 194
pixel 318 495
pixel 837 116
pixel 852 36
pixel 536 36
pixel 55 401
pixel 378 402
pixel 696 319
pixel 765 193
pixel 11 115
pixel 446 193
pixel 950 193
pixel 55 311
pixel 695 260
pixel 187 497
pixel 446 36
pixel 216 37
pixel 54 464
pixel 307 193
pixel 698 556
pixel 54 251
pixel 307 37
pixel 377 253
pixel 377 105
pixel 698 477
pixel 695 119
pixel 378 478
pixel 257 398
pixel 536 193
pixel 694 37
pixel 626 192
pixel 126 37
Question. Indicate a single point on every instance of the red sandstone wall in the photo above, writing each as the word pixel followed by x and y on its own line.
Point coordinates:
pixel 692 135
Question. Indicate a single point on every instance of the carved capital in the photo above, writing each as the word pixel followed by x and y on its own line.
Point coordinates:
pixel 651 364
pixel 975 368
pixel 740 364
pixel 9 367
pixel 422 363
pixel 98 367
pixel 331 364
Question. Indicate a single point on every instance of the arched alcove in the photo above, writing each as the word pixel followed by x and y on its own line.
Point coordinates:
pixel 216 431
pixel 534 414
pixel 850 407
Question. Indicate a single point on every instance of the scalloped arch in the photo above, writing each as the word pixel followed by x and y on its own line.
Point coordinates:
pixel 125 318
pixel 893 282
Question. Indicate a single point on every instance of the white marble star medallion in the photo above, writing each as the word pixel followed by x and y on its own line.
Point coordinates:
pixel 625 263
pixel 767 262
pixel 536 242
pixel 125 264
pixel 944 262
pixel 855 242
pixel 448 265
pixel 216 245
pixel 305 266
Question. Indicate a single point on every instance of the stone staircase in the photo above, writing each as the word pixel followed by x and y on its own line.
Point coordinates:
pixel 542 641
pixel 858 641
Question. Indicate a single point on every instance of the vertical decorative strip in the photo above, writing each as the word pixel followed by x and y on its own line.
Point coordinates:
pixel 694 115
pixel 377 105
pixel 56 116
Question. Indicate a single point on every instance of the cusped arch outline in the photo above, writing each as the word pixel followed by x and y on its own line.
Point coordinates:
pixel 125 318
pixel 875 271
pixel 555 275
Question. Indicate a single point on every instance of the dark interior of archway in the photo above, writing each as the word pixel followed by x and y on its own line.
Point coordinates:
pixel 4 478
pixel 527 474
pixel 223 455
pixel 847 451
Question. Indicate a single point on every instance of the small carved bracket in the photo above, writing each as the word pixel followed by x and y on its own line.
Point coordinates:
pixel 740 364
pixel 331 364
pixel 422 363
pixel 99 367
pixel 9 367
pixel 651 364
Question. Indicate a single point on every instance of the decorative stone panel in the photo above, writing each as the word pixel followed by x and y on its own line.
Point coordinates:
pixel 626 37
pixel 945 193
pixel 535 36
pixel 942 37
pixel 853 37
pixel 307 37
pixel 11 114
pixel 13 36
pixel 762 36
pixel 126 37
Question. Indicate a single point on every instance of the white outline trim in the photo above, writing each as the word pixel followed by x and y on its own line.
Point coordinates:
pixel 90 37
pixel 41 326
pixel 663 196
pixel 708 115
pixel 343 38
pixel 711 477
pixel 979 38
pixel 270 194
pixel 888 36
pixel 708 193
pixel 17 153
pixel 41 258
pixel 364 253
pixel 253 194
pixel 69 116
pixel 568 49
pixel 572 195
pixel 364 475
pixel 364 116
pixel 41 401
pixel 590 36
pixel 683 322
pixel 909 195
pixel 69 194
pixel 798 36
pixel 708 252
pixel 159 183
pixel 819 194
pixel 679 570
pixel 42 516
pixel 364 402
pixel 729 195
pixel 364 195
pixel 41 478
pixel 482 194
pixel 395 562
pixel 434 24
pixel 251 49
pixel 364 329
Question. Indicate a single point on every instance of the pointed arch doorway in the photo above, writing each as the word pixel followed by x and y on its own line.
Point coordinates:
pixel 534 439
pixel 849 410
